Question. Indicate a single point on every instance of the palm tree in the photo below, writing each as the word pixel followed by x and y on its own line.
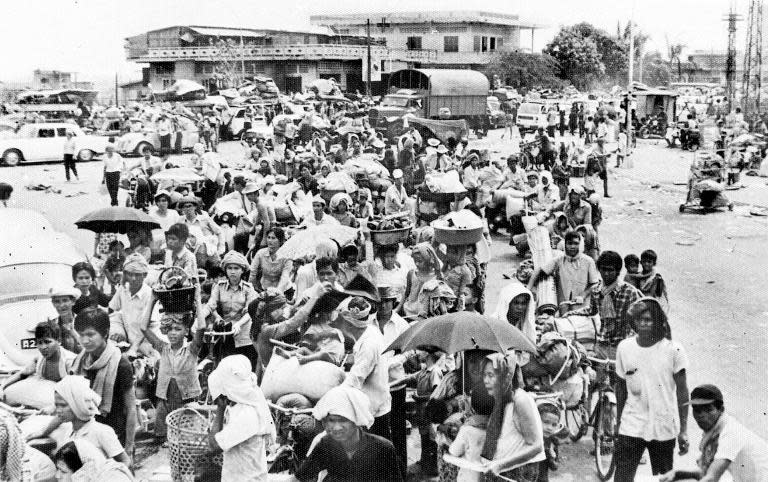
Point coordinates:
pixel 674 52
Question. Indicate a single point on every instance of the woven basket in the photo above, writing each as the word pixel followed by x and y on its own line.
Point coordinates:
pixel 390 237
pixel 454 237
pixel 188 443
pixel 175 300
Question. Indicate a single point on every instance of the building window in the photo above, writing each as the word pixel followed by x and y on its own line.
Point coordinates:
pixel 476 44
pixel 451 43
pixel 413 43
pixel 492 46
pixel 303 68
pixel 167 83
pixel 499 42
pixel 165 68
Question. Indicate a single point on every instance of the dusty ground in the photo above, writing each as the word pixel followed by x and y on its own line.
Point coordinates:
pixel 714 266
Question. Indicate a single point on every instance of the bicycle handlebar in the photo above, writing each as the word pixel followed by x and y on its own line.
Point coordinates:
pixel 601 361
pixel 218 333
pixel 292 411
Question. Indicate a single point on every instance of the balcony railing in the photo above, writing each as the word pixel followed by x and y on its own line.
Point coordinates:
pixel 278 52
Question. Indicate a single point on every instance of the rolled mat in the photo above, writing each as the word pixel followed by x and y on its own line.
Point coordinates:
pixel 541 249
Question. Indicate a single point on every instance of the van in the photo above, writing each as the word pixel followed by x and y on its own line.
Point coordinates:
pixel 531 116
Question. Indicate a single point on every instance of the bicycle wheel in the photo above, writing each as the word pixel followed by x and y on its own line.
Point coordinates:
pixel 604 425
pixel 577 421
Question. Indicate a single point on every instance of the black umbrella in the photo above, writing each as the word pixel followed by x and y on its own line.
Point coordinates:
pixel 116 219
pixel 455 332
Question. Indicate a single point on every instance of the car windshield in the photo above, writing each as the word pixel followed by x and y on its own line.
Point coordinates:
pixel 529 109
pixel 395 101
pixel 33 278
pixel 494 104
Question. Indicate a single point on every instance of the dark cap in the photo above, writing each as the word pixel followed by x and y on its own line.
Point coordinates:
pixel 705 395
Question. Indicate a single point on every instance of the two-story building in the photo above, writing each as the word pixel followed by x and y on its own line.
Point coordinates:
pixel 459 39
pixel 210 55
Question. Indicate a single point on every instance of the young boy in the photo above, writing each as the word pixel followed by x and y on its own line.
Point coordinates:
pixel 113 265
pixel 469 295
pixel 177 253
pixel 650 282
pixel 550 422
pixel 427 380
pixel 177 380
pixel 53 363
pixel 471 437
pixel 632 264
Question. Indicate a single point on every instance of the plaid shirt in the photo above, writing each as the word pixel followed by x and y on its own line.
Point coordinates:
pixel 613 330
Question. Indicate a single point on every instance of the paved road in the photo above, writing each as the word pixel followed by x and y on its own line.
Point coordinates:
pixel 713 264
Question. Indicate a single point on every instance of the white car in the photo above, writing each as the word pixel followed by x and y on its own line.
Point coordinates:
pixel 33 259
pixel 144 135
pixel 45 142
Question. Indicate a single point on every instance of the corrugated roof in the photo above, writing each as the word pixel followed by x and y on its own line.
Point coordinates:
pixel 446 16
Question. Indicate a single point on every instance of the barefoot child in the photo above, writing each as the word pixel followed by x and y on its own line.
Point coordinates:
pixel 471 437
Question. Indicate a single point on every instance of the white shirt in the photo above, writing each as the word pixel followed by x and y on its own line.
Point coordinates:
pixel 651 411
pixel 69 146
pixel 394 199
pixel 747 452
pixel 245 450
pixel 370 372
pixel 391 330
pixel 100 435
pixel 326 219
pixel 114 163
pixel 129 314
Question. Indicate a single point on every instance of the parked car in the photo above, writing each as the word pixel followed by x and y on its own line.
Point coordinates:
pixel 496 114
pixel 242 122
pixel 531 115
pixel 143 134
pixel 29 269
pixel 45 142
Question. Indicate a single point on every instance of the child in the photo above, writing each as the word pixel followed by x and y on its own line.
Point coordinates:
pixel 592 178
pixel 589 129
pixel 243 427
pixel 177 253
pixel 427 268
pixel 649 281
pixel 471 437
pixel 550 423
pixel 177 381
pixel 632 264
pixel 113 265
pixel 427 380
pixel 622 152
pixel 53 363
pixel 470 297
pixel 455 272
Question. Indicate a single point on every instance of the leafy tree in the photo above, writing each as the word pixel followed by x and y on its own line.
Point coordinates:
pixel 525 71
pixel 656 71
pixel 577 56
pixel 674 51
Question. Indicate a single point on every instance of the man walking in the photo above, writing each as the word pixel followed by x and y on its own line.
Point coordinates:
pixel 69 156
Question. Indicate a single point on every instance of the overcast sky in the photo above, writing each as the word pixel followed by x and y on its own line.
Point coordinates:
pixel 87 36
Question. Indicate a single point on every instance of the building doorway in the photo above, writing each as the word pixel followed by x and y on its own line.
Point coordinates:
pixel 292 83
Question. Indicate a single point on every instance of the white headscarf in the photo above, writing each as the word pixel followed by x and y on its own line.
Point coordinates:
pixel 506 295
pixel 347 402
pixel 83 401
pixel 234 379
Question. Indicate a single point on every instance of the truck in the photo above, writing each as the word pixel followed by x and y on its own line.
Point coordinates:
pixel 444 94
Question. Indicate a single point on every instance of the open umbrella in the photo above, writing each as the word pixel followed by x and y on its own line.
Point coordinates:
pixel 116 219
pixel 302 243
pixel 462 331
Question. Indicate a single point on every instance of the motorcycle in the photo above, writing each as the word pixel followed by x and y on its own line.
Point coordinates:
pixel 652 127
pixel 672 135
pixel 690 139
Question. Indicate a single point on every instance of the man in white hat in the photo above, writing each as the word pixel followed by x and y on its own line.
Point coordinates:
pixel 318 215
pixel 444 161
pixel 395 198
pixel 63 300
pixel 129 304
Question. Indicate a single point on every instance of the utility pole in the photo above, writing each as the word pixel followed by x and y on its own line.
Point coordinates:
pixel 368 42
pixel 753 60
pixel 631 74
pixel 117 102
pixel 730 61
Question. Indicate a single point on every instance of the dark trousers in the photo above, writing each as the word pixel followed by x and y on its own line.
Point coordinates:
pixel 113 185
pixel 69 165
pixel 250 353
pixel 551 131
pixel 381 427
pixel 629 450
pixel 397 425
pixel 165 144
pixel 605 184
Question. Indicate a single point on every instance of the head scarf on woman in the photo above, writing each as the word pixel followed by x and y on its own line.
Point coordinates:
pixel 506 295
pixel 505 368
pixel 435 298
pixel 347 402
pixel 427 252
pixel 76 391
pixel 234 379
pixel 338 198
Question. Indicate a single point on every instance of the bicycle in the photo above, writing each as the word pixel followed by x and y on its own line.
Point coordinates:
pixel 290 452
pixel 209 363
pixel 603 418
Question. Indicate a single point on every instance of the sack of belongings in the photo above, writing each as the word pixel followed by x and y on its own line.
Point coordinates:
pixel 312 380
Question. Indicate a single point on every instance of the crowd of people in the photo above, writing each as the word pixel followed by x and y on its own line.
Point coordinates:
pixel 345 305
